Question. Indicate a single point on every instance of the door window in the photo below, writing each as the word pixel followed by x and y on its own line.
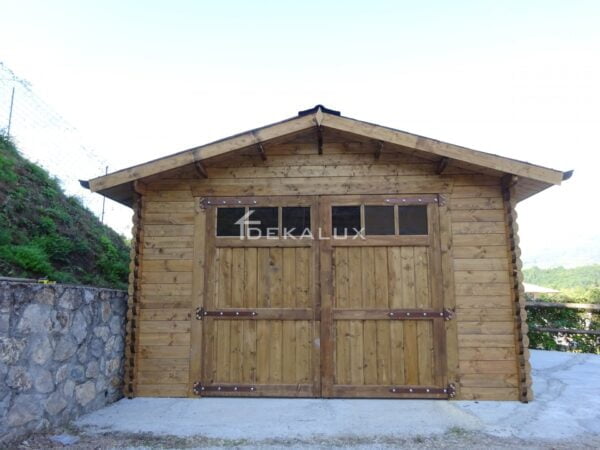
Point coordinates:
pixel 263 221
pixel 379 220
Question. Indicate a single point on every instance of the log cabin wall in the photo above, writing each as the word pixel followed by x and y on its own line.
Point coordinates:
pixel 481 340
pixel 487 362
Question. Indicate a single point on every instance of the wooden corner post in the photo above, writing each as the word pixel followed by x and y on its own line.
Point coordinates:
pixel 133 291
pixel 517 290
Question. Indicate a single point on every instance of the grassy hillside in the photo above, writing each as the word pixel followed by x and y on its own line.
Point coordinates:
pixel 44 233
pixel 579 284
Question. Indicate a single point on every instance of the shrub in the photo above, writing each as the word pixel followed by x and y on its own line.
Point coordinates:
pixel 57 247
pixel 563 318
pixel 111 264
pixel 7 174
pixel 29 257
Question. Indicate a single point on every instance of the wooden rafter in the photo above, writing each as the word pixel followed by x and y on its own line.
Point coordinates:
pixel 318 117
pixel 261 151
pixel 319 140
pixel 200 169
pixel 442 165
pixel 379 149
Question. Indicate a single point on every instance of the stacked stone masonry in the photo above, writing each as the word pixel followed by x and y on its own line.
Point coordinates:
pixel 61 353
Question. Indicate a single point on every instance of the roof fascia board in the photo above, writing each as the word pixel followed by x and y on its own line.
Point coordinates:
pixel 340 123
pixel 443 149
pixel 193 155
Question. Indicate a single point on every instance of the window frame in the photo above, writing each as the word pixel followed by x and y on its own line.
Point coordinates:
pixel 267 204
pixel 395 201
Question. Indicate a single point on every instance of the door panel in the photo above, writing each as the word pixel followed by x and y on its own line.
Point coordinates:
pixel 382 278
pixel 271 347
pixel 380 283
pixel 350 317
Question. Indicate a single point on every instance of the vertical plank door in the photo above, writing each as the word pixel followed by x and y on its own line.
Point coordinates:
pixel 260 314
pixel 383 330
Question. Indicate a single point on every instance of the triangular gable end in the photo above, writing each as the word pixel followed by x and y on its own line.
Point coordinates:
pixel 318 121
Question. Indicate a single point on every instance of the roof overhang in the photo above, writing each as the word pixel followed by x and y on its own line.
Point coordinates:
pixel 119 185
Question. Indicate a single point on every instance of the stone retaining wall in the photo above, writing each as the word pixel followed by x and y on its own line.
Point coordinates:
pixel 61 353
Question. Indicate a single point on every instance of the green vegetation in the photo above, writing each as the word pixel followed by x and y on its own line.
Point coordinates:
pixel 46 234
pixel 577 285
pixel 566 319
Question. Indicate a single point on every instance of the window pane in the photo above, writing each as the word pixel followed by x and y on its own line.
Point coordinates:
pixel 226 218
pixel 379 220
pixel 413 219
pixel 295 219
pixel 268 222
pixel 345 219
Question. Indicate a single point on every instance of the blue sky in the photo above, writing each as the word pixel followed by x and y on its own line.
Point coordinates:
pixel 144 79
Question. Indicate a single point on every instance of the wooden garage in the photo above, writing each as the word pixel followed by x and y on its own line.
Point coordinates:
pixel 323 256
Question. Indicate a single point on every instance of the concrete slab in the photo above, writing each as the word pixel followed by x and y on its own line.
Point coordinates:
pixel 567 406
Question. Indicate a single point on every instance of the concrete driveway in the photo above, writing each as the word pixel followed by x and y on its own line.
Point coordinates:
pixel 566 411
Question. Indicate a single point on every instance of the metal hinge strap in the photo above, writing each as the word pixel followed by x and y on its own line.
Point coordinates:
pixel 450 390
pixel 225 313
pixel 412 199
pixel 229 201
pixel 199 388
pixel 417 314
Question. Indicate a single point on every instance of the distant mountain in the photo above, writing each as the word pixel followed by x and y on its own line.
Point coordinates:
pixel 580 251
pixel 562 278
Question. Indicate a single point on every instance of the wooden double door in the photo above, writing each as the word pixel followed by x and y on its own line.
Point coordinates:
pixel 350 307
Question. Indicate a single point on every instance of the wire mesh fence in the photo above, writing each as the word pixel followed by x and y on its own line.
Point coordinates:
pixel 43 136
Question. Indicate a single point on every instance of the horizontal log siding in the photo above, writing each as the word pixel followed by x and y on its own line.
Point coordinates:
pixel 165 287
pixel 487 358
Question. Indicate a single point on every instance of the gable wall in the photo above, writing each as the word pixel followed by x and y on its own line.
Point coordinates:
pixel 485 362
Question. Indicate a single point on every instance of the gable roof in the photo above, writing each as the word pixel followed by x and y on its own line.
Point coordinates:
pixel 118 185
